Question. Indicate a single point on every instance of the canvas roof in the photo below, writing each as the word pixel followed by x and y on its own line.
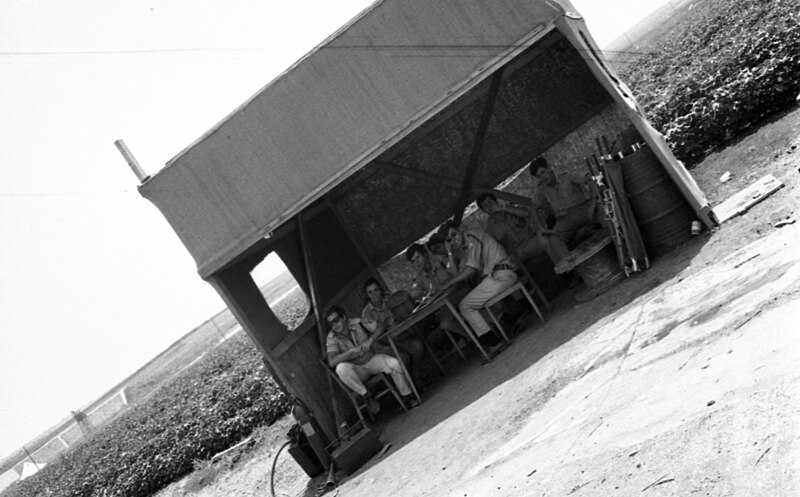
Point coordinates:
pixel 366 88
pixel 387 120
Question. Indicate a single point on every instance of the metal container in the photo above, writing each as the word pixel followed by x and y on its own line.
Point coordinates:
pixel 661 211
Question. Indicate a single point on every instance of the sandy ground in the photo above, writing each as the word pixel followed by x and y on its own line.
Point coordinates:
pixel 681 380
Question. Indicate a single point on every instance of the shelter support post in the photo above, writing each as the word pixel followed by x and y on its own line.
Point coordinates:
pixel 315 305
pixel 477 144
pixel 357 244
pixel 297 372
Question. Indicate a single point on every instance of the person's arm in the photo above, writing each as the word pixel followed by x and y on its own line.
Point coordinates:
pixel 462 275
pixel 517 210
pixel 337 356
pixel 535 219
pixel 451 263
pixel 467 271
pixel 581 179
pixel 349 354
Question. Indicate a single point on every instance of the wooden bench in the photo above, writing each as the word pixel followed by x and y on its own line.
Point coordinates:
pixel 595 264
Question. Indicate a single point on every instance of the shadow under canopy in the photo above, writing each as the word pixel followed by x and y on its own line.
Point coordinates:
pixel 393 124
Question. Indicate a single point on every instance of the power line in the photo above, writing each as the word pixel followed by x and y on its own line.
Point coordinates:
pixel 132 52
pixel 60 194
pixel 326 47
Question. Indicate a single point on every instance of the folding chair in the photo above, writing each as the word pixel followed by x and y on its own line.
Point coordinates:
pixel 378 386
pixel 519 286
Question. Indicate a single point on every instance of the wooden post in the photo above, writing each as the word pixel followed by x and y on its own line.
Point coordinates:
pixel 296 372
pixel 477 145
pixel 357 243
pixel 315 303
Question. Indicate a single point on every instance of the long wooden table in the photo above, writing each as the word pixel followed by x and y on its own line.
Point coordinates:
pixel 421 312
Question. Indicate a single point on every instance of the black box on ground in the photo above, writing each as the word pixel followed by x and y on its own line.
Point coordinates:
pixel 358 448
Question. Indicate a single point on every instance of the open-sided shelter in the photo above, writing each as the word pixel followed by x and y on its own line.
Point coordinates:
pixel 393 124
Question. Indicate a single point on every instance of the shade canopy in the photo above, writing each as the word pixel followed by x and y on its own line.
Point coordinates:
pixel 393 124
pixel 385 118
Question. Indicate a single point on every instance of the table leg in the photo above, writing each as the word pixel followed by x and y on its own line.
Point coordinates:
pixel 455 344
pixel 466 327
pixel 405 370
pixel 428 348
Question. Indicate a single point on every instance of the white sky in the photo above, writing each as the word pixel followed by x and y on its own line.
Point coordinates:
pixel 94 281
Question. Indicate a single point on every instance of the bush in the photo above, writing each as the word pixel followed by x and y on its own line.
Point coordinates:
pixel 727 66
pixel 204 410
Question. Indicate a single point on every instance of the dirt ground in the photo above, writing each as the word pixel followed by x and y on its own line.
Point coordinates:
pixel 680 380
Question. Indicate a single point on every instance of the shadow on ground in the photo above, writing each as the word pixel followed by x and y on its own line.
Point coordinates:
pixel 468 380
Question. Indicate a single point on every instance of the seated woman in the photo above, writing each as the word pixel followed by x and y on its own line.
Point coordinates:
pixel 377 317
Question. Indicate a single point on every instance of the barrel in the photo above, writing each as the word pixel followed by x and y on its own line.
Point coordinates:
pixel 662 213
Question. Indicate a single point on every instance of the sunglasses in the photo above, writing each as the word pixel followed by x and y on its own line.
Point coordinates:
pixel 335 320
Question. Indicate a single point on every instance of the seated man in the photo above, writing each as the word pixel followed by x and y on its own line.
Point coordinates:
pixel 435 246
pixel 509 225
pixel 564 199
pixel 483 256
pixel 349 351
pixel 431 272
pixel 377 318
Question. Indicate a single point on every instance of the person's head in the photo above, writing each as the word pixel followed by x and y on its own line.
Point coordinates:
pixel 417 256
pixel 435 245
pixel 450 233
pixel 487 202
pixel 540 171
pixel 335 318
pixel 373 291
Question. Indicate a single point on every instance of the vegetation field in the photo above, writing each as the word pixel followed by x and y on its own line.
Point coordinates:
pixel 722 69
pixel 727 65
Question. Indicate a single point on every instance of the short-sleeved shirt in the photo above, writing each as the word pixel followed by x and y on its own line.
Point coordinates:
pixel 430 280
pixel 509 229
pixel 377 318
pixel 565 195
pixel 355 334
pixel 484 252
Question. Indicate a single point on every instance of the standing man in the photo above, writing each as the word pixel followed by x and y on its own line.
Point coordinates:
pixel 349 351
pixel 484 257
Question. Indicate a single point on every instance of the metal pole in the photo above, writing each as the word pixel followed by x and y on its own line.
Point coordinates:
pixel 131 160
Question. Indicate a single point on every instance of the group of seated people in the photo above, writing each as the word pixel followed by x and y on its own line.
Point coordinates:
pixel 561 207
pixel 475 265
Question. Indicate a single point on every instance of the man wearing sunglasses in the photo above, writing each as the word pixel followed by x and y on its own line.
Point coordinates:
pixel 350 352
pixel 484 257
